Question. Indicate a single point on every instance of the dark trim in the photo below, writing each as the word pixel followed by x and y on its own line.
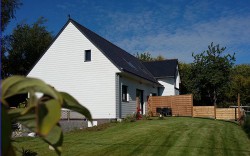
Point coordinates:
pixel 165 77
pixel 142 77
pixel 59 33
pixel 176 88
pixel 119 97
pixel 126 98
pixel 86 59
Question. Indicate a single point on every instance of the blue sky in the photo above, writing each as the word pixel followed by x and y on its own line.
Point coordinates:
pixel 172 28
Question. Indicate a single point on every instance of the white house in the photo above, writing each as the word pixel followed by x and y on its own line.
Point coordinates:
pixel 100 75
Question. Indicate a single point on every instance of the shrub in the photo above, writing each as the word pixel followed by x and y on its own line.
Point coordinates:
pixel 130 118
pixel 146 117
pixel 246 125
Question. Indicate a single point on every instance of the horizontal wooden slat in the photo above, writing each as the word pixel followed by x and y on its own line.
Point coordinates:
pixel 181 105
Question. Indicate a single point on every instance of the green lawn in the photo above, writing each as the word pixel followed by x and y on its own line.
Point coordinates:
pixel 172 136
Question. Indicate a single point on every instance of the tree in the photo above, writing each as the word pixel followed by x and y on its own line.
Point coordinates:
pixel 159 58
pixel 42 114
pixel 23 48
pixel 185 74
pixel 146 57
pixel 210 73
pixel 240 83
pixel 8 10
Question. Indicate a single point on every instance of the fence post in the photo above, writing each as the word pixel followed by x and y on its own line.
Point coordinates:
pixel 239 113
pixel 68 114
pixel 215 112
pixel 235 113
pixel 192 107
pixel 149 106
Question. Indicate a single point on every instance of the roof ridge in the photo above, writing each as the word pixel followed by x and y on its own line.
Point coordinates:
pixel 160 60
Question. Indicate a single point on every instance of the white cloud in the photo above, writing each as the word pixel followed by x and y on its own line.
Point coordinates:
pixel 231 32
pixel 173 30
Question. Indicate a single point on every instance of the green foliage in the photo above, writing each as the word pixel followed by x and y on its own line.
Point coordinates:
pixel 130 118
pixel 41 115
pixel 8 8
pixel 240 83
pixel 210 73
pixel 6 148
pixel 159 58
pixel 146 117
pixel 185 74
pixel 246 125
pixel 147 57
pixel 22 49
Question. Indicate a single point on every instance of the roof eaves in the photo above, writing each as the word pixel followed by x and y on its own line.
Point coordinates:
pixel 155 81
pixel 162 77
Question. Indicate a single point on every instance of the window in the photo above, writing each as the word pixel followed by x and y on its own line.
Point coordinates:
pixel 87 55
pixel 124 93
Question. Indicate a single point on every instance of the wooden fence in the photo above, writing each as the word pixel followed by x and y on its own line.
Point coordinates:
pixel 221 113
pixel 203 111
pixel 181 105
pixel 227 113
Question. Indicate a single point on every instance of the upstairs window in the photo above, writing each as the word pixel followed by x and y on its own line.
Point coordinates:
pixel 124 93
pixel 87 55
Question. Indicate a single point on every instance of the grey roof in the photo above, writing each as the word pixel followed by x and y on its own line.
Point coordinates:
pixel 119 57
pixel 166 68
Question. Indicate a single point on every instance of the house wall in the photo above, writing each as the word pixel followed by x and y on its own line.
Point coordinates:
pixel 129 107
pixel 91 83
pixel 177 82
pixel 169 84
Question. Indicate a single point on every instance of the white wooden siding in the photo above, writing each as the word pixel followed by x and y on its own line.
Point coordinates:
pixel 91 83
pixel 178 80
pixel 169 84
pixel 130 106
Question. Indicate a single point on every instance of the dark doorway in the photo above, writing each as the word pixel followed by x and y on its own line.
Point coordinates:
pixel 139 94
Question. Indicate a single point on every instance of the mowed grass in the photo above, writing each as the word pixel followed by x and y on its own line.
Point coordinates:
pixel 171 136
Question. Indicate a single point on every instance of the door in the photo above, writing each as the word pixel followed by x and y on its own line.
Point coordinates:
pixel 139 95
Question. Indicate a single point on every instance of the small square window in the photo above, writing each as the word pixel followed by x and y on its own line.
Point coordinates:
pixel 124 93
pixel 87 55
